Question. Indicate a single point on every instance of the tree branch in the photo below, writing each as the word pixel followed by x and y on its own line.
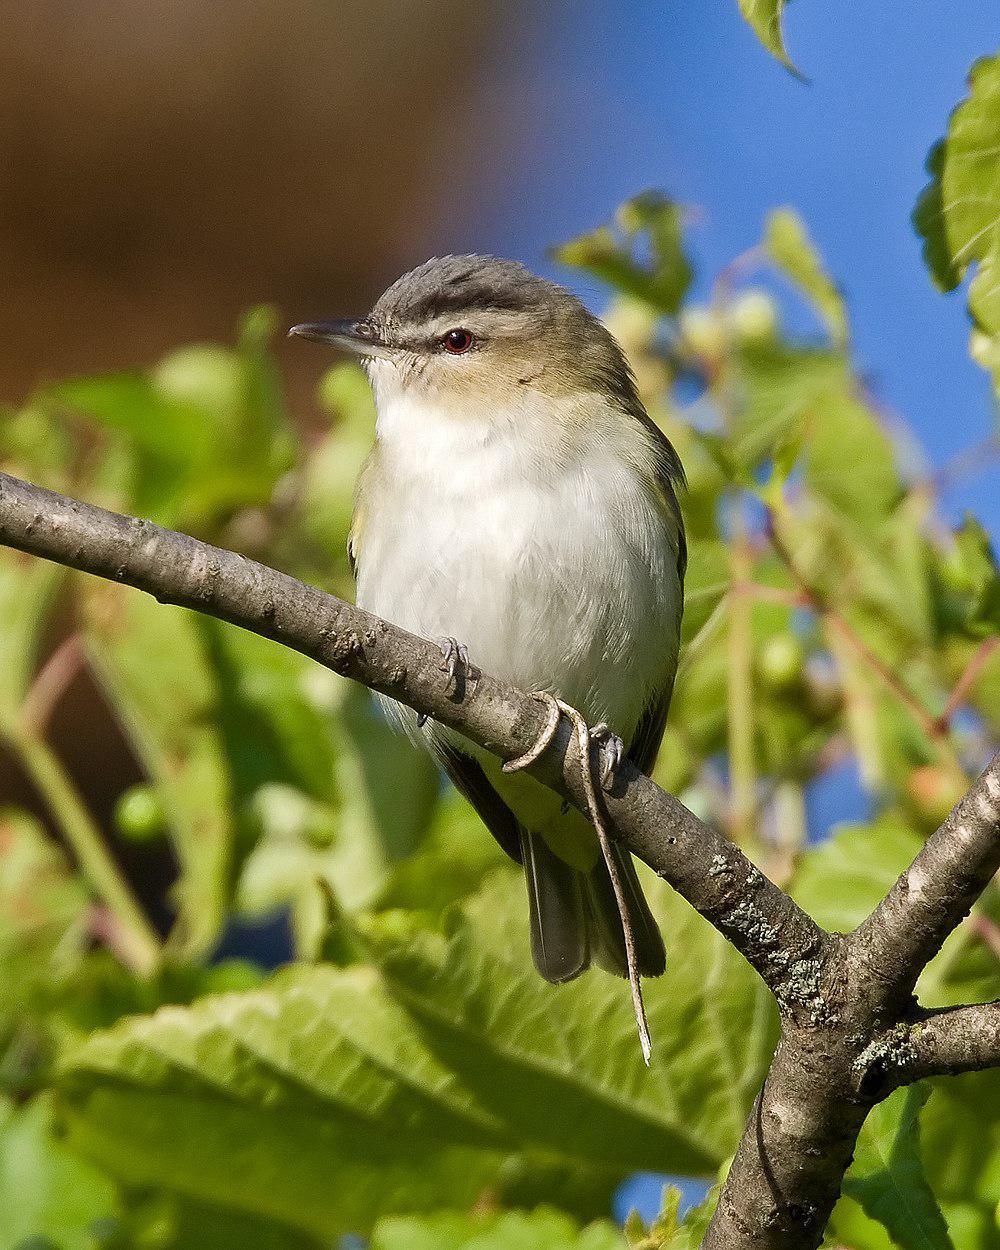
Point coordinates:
pixel 847 1012
pixel 892 947
pixel 785 946
pixel 952 1041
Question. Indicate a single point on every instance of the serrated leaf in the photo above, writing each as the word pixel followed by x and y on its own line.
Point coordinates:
pixel 488 1016
pixel 495 1230
pixel 958 213
pixel 791 249
pixel 887 1176
pixel 312 1101
pixel 764 16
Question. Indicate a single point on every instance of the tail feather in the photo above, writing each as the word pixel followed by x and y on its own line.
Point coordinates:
pixel 560 933
pixel 607 934
pixel 574 915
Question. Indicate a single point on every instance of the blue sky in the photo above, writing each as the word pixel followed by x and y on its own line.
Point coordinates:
pixel 624 96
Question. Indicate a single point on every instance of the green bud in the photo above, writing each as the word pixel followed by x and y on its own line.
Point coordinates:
pixel 139 814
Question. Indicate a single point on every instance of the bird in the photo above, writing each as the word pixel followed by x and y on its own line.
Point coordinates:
pixel 520 506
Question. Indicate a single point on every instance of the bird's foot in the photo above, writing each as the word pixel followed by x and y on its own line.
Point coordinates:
pixel 555 708
pixel 611 751
pixel 456 663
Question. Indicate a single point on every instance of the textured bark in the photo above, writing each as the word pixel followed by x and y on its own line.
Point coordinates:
pixel 892 947
pixel 850 1028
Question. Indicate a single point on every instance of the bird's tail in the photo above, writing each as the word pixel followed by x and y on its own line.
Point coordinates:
pixel 574 915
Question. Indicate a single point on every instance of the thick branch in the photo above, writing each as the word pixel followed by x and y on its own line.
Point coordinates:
pixel 776 937
pixel 891 948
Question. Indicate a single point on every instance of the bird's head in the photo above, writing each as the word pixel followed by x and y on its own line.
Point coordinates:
pixel 461 330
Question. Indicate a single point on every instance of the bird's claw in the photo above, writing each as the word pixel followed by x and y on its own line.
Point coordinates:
pixel 456 662
pixel 611 751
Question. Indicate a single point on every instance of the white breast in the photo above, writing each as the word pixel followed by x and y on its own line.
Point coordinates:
pixel 553 565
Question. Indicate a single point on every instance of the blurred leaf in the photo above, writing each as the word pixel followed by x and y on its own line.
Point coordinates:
pixel 151 665
pixel 887 1176
pixel 960 1130
pixel 205 431
pixel 791 249
pixel 705 585
pixel 958 213
pixel 28 589
pixel 380 798
pixel 967 583
pixel 764 16
pixel 841 881
pixel 487 1016
pixel 778 395
pixel 330 474
pixel 642 255
pixel 494 1230
pixel 45 1191
pixel 845 433
pixel 166 1222
pixel 43 907
pixel 451 862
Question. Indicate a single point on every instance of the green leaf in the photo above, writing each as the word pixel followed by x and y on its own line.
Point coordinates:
pixel 164 1221
pixel 313 1101
pixel 642 255
pixel 45 1191
pixel 958 213
pixel 887 1176
pixel 968 583
pixel 151 665
pixel 845 432
pixel 419 1092
pixel 198 437
pixel 28 588
pixel 960 1132
pixel 705 585
pixel 669 1230
pixel 841 881
pixel 488 1016
pixel 791 249
pixel 782 393
pixel 42 914
pixel 764 16
pixel 494 1230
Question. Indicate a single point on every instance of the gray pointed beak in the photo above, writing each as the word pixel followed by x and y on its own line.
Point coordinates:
pixel 352 336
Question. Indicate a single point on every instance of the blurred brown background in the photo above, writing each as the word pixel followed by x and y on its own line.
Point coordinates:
pixel 166 165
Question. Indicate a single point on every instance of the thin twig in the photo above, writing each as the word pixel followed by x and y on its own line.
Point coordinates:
pixel 54 678
pixel 980 658
pixel 136 935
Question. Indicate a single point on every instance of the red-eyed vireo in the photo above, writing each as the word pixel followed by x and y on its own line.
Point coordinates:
pixel 519 499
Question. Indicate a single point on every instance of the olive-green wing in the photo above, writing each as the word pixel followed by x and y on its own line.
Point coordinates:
pixel 469 779
pixel 668 477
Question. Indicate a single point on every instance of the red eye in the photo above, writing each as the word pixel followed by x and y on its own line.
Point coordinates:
pixel 457 341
